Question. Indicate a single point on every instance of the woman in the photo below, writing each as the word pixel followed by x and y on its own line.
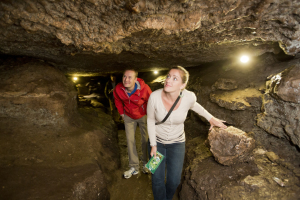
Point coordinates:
pixel 168 138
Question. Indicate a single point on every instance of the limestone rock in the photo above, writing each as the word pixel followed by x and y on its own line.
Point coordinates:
pixel 247 99
pixel 225 84
pixel 231 145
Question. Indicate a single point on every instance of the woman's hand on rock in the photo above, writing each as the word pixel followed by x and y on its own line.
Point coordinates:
pixel 216 122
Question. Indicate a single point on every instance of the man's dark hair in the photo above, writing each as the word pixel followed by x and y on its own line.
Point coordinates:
pixel 131 69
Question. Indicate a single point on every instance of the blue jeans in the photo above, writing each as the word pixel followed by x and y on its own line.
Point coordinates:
pixel 173 162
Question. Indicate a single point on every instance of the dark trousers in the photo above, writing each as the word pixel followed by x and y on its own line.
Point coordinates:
pixel 172 164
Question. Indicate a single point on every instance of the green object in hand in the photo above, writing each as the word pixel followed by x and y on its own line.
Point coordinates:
pixel 153 163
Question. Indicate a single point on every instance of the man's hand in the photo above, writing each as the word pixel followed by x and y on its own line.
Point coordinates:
pixel 122 117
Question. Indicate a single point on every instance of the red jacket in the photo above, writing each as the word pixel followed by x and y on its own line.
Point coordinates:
pixel 134 106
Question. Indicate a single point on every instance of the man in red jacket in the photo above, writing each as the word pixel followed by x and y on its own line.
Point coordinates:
pixel 131 98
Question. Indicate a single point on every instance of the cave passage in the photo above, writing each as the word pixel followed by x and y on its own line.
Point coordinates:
pixel 57 133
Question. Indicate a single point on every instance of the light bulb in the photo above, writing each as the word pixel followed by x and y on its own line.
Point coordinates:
pixel 244 59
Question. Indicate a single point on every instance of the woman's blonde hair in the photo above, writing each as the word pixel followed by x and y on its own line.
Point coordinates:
pixel 184 74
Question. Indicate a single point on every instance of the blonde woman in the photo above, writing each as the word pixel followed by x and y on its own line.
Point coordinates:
pixel 168 138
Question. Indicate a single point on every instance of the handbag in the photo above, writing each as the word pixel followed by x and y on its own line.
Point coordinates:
pixel 169 113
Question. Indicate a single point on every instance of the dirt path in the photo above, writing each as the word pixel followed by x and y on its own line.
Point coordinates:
pixel 137 187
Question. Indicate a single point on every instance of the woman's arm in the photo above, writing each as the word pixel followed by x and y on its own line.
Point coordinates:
pixel 211 119
pixel 151 125
pixel 201 111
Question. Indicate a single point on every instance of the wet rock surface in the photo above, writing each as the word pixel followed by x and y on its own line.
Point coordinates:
pixel 230 145
pixel 92 36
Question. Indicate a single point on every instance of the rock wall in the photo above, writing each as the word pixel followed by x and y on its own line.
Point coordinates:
pixel 37 94
pixel 281 105
pixel 53 149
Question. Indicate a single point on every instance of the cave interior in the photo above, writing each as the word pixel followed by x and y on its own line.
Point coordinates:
pixel 59 140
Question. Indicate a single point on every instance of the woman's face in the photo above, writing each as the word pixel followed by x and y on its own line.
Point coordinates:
pixel 173 82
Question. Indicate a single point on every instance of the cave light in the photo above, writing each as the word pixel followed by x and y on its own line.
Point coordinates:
pixel 244 59
pixel 155 72
pixel 75 78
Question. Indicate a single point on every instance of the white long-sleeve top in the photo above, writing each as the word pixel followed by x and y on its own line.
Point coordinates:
pixel 172 130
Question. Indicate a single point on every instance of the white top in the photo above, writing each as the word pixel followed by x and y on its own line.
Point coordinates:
pixel 172 130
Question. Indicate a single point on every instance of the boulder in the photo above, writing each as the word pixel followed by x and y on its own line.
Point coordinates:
pixel 230 146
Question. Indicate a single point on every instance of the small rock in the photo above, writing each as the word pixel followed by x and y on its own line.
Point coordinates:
pixel 277 180
pixel 272 156
pixel 231 145
pixel 259 151
pixel 225 84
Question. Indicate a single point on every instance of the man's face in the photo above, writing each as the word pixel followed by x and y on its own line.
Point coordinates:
pixel 129 79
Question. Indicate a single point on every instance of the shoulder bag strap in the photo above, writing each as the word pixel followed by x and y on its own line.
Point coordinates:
pixel 169 113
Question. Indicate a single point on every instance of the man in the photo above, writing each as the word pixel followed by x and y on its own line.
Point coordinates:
pixel 108 91
pixel 131 97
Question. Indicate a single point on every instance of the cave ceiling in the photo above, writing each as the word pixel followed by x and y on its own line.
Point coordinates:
pixel 101 36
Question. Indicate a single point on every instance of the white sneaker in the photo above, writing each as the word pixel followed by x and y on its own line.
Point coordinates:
pixel 130 172
pixel 146 170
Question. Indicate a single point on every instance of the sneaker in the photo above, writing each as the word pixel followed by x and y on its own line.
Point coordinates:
pixel 130 172
pixel 146 170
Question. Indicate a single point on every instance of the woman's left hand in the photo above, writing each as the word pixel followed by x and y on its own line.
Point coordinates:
pixel 216 122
